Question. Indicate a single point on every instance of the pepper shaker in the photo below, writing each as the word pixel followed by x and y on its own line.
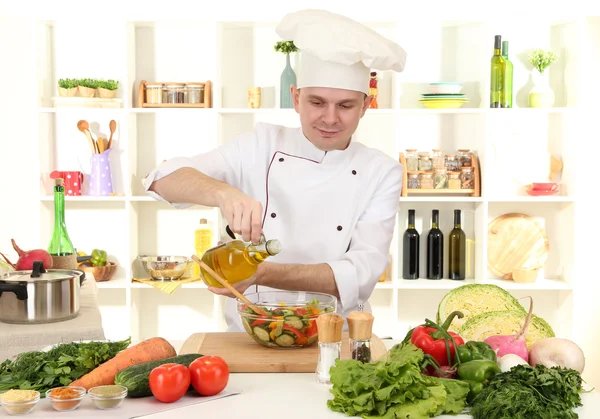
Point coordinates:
pixel 360 330
pixel 330 344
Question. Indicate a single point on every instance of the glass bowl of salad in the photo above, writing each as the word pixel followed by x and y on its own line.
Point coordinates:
pixel 291 319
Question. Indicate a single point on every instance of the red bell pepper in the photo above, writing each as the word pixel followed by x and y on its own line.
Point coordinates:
pixel 436 341
pixel 301 339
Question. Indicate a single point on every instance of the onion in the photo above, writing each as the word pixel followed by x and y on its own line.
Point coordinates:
pixel 26 258
pixel 506 362
pixel 557 352
pixel 512 344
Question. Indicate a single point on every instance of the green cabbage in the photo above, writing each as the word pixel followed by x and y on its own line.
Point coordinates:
pixel 507 322
pixel 475 299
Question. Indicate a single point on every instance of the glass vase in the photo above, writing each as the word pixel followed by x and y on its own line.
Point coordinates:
pixel 541 95
pixel 288 78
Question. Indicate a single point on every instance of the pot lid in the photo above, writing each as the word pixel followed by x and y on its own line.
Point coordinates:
pixel 39 274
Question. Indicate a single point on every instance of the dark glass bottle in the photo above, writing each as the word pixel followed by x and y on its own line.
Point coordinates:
pixel 457 242
pixel 410 249
pixel 435 248
pixel 60 244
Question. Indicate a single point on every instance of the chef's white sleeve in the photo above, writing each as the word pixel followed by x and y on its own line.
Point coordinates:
pixel 223 163
pixel 357 273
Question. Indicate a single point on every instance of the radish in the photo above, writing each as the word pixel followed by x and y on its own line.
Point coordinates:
pixel 557 352
pixel 26 258
pixel 512 344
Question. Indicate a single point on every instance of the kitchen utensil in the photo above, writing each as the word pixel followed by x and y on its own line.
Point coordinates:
pixel 287 310
pixel 516 241
pixel 100 273
pixel 229 286
pixel 164 268
pixel 101 142
pixel 113 128
pixel 84 127
pixel 101 182
pixel 73 181
pixel 40 295
pixel 243 355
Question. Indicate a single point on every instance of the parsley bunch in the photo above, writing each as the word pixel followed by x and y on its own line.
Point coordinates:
pixel 527 392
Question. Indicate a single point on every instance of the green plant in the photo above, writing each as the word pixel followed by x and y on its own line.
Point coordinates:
pixel 108 84
pixel 91 83
pixel 541 60
pixel 68 83
pixel 286 47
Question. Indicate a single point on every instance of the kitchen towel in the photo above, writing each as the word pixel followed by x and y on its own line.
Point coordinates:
pixel 130 409
pixel 168 287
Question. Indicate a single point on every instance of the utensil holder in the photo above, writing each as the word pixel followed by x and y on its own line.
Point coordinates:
pixel 100 179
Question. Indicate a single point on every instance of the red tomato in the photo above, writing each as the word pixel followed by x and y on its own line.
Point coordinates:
pixel 169 382
pixel 210 375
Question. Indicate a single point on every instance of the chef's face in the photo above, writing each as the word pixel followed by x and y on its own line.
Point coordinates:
pixel 329 116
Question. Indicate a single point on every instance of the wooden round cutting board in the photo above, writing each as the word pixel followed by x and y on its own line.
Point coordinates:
pixel 516 241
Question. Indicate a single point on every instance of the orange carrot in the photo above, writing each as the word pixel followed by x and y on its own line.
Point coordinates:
pixel 153 349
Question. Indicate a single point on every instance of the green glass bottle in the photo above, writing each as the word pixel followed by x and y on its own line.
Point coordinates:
pixel 60 244
pixel 508 78
pixel 498 69
pixel 457 250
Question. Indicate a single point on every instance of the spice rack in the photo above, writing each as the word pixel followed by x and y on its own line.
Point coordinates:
pixel 175 94
pixel 474 191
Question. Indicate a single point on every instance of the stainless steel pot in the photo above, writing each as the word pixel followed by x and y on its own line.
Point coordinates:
pixel 40 295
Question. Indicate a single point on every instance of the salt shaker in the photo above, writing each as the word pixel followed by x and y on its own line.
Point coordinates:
pixel 360 329
pixel 330 344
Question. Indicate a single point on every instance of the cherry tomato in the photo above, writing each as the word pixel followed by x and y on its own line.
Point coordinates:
pixel 209 374
pixel 169 382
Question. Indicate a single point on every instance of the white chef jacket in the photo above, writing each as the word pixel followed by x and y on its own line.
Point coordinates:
pixel 336 207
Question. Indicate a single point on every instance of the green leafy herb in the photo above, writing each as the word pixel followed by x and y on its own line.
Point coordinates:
pixel 287 47
pixel 59 366
pixel 541 60
pixel 527 392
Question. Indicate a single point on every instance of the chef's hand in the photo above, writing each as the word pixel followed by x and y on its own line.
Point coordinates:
pixel 243 214
pixel 241 286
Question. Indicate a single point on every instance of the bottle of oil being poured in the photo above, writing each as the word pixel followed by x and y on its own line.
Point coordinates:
pixel 237 260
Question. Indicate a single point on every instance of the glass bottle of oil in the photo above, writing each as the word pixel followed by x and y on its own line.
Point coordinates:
pixel 237 260
pixel 203 240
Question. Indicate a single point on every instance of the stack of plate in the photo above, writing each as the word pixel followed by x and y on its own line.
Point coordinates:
pixel 444 96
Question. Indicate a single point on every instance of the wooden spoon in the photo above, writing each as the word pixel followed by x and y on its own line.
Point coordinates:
pixel 84 127
pixel 227 285
pixel 113 128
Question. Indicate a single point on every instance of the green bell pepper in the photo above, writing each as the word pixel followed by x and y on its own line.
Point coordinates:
pixel 477 373
pixel 98 257
pixel 475 350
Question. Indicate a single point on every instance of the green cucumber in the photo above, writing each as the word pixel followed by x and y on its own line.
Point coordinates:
pixel 135 377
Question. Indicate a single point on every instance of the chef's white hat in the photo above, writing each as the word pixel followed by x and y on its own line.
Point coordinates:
pixel 338 52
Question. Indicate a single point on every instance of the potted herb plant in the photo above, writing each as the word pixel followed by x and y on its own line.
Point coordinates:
pixel 541 95
pixel 288 76
pixel 67 87
pixel 87 87
pixel 107 88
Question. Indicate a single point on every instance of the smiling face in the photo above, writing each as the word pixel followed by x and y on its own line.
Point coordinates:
pixel 328 116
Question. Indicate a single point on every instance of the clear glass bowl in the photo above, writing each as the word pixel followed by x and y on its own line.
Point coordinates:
pixel 66 404
pixel 292 317
pixel 104 400
pixel 21 408
pixel 165 268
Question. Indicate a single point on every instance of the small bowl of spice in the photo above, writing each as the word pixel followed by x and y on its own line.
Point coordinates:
pixel 64 399
pixel 19 402
pixel 108 396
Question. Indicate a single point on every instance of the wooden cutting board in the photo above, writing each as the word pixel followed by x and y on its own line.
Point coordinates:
pixel 243 354
pixel 516 241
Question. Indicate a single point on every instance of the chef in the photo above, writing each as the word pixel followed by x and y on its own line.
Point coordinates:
pixel 331 201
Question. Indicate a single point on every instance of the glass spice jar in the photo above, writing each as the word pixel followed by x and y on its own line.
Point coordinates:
pixel 154 93
pixel 424 162
pixel 467 180
pixel 452 164
pixel 195 92
pixel 440 179
pixel 426 180
pixel 412 160
pixel 453 180
pixel 413 181
pixel 464 157
pixel 437 159
pixel 175 93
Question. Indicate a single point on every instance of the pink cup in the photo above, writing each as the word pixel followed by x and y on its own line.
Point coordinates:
pixel 72 181
pixel 544 186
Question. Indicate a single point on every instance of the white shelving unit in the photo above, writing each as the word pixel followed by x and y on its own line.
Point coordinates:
pixel 236 56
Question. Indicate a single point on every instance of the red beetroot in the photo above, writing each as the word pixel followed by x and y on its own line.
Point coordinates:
pixel 26 258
